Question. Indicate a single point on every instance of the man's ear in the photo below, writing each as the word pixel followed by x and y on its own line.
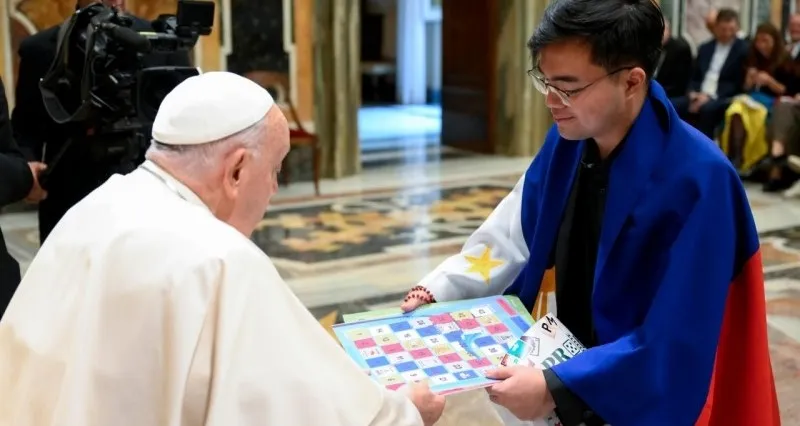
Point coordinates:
pixel 232 172
pixel 636 78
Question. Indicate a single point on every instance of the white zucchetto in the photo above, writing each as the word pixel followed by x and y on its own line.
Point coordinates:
pixel 210 107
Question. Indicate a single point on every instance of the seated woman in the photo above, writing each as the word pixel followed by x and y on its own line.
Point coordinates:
pixel 784 129
pixel 769 73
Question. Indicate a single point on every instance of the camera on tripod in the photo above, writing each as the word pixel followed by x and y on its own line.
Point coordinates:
pixel 100 75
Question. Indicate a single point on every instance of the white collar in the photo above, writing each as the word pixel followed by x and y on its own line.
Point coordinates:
pixel 173 184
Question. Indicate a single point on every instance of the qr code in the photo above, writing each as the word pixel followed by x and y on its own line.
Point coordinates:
pixel 573 346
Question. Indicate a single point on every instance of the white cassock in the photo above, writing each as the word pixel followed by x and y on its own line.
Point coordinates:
pixel 143 309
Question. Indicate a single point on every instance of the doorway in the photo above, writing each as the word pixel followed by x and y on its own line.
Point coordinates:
pixel 400 116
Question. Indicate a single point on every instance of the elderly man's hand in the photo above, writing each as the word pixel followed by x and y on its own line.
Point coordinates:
pixel 523 391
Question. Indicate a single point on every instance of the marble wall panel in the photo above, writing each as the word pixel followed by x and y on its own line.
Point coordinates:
pixel 258 37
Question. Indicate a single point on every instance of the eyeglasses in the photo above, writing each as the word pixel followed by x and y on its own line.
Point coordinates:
pixel 544 87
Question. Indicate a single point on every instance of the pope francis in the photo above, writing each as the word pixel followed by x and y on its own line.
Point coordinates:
pixel 149 305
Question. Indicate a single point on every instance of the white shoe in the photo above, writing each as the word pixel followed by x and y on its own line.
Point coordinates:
pixel 793 161
pixel 794 190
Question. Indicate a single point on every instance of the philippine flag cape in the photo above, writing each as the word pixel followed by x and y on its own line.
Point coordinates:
pixel 678 302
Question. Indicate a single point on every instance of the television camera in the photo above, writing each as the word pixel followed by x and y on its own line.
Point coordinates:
pixel 102 77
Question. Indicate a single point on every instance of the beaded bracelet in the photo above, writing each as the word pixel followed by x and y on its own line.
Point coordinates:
pixel 415 294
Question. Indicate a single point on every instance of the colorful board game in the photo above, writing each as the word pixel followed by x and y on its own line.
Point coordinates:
pixel 449 345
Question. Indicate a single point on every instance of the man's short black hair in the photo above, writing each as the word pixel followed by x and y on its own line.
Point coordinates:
pixel 620 33
pixel 727 15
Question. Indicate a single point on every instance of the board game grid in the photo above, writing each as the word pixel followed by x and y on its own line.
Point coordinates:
pixel 449 346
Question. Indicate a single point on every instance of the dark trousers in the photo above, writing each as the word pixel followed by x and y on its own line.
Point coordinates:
pixel 785 126
pixel 9 276
pixel 707 119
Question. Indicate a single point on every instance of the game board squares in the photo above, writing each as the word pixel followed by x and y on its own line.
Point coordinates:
pixel 457 346
pixel 465 355
pixel 364 343
pixel 385 339
pixel 393 348
pixel 406 366
pixel 447 327
pixel 379 330
pixel 376 362
pixel 413 344
pixel 435 371
pixel 521 324
pixel 496 359
pixel 496 328
pixel 415 376
pixel 358 334
pixel 408 335
pixel 434 340
pixel 479 363
pixel 461 315
pixel 482 371
pixel 421 353
pixel 391 380
pixel 370 352
pixel 394 386
pixel 383 371
pixel 441 319
pixel 420 322
pixel 400 326
pixel 506 337
pixel 488 320
pixel 506 306
pixel 457 366
pixel 442 349
pixel 430 330
pixel 454 336
pixel 466 375
pixel 448 358
pixel 481 311
pixel 399 357
pixel 428 362
pixel 468 324
pixel 485 341
pixel 443 379
pixel 493 350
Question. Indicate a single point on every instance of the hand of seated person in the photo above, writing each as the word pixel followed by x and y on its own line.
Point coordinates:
pixel 763 78
pixel 37 193
pixel 697 102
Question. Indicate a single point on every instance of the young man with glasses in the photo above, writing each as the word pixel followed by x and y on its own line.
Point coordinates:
pixel 647 224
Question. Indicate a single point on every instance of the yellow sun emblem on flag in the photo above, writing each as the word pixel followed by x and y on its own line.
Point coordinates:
pixel 484 264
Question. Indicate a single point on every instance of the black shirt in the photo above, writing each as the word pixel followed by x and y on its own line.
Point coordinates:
pixel 575 258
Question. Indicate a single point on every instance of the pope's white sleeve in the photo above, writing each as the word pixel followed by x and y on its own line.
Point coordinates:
pixel 397 410
pixel 491 258
pixel 266 361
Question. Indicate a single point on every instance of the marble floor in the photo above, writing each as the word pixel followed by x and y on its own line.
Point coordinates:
pixel 369 238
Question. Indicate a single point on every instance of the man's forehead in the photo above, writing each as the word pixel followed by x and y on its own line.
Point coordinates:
pixel 567 61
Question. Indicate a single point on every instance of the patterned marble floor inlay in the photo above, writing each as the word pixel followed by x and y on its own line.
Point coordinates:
pixel 361 226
